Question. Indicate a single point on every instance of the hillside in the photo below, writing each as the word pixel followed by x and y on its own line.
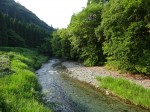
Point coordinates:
pixel 16 10
pixel 22 28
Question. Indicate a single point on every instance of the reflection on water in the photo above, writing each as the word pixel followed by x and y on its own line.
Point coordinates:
pixel 67 95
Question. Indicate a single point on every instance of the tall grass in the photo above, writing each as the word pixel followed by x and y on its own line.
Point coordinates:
pixel 19 89
pixel 127 90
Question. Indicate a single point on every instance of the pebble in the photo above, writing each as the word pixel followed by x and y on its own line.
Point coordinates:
pixel 89 74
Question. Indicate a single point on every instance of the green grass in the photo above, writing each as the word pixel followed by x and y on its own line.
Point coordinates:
pixel 19 89
pixel 127 90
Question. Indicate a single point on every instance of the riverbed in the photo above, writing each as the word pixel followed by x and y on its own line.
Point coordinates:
pixel 65 94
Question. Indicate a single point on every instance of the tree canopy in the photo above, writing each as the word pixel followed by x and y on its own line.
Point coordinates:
pixel 111 32
pixel 126 28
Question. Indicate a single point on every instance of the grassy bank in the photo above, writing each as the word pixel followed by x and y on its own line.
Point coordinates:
pixel 19 88
pixel 127 90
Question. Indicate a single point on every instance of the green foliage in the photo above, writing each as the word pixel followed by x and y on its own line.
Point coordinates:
pixel 79 40
pixel 61 44
pixel 16 10
pixel 3 31
pixel 19 27
pixel 20 88
pixel 83 31
pixel 94 1
pixel 113 31
pixel 14 39
pixel 127 90
pixel 56 44
pixel 125 25
pixel 45 48
pixel 89 55
pixel 16 33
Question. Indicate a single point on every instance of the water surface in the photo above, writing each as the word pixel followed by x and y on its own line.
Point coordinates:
pixel 67 95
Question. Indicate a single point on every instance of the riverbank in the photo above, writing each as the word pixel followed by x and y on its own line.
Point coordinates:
pixel 89 75
pixel 19 87
pixel 64 94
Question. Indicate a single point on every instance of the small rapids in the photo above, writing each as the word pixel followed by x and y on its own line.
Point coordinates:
pixel 64 94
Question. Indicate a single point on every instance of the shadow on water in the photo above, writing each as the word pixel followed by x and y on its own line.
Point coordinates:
pixel 64 94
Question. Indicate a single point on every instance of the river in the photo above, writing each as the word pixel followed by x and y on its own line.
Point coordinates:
pixel 64 94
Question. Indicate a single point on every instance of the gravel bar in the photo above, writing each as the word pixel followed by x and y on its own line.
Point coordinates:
pixel 88 74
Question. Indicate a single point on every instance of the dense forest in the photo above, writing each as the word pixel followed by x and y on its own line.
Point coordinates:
pixel 16 10
pixel 19 27
pixel 115 33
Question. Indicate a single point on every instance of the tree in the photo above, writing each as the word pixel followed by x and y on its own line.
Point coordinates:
pixel 15 40
pixel 56 44
pixel 61 44
pixel 3 31
pixel 83 38
pixel 126 27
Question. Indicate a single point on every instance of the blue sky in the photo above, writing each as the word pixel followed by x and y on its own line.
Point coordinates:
pixel 54 12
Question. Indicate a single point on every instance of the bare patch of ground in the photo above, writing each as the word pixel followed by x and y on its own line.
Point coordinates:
pixel 89 74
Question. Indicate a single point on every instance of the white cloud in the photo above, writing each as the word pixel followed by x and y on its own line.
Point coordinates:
pixel 54 12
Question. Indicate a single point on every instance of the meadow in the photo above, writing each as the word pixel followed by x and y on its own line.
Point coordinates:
pixel 19 87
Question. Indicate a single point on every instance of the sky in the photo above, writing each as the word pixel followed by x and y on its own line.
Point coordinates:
pixel 54 12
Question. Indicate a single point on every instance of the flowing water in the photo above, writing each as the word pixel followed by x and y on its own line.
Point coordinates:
pixel 64 94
